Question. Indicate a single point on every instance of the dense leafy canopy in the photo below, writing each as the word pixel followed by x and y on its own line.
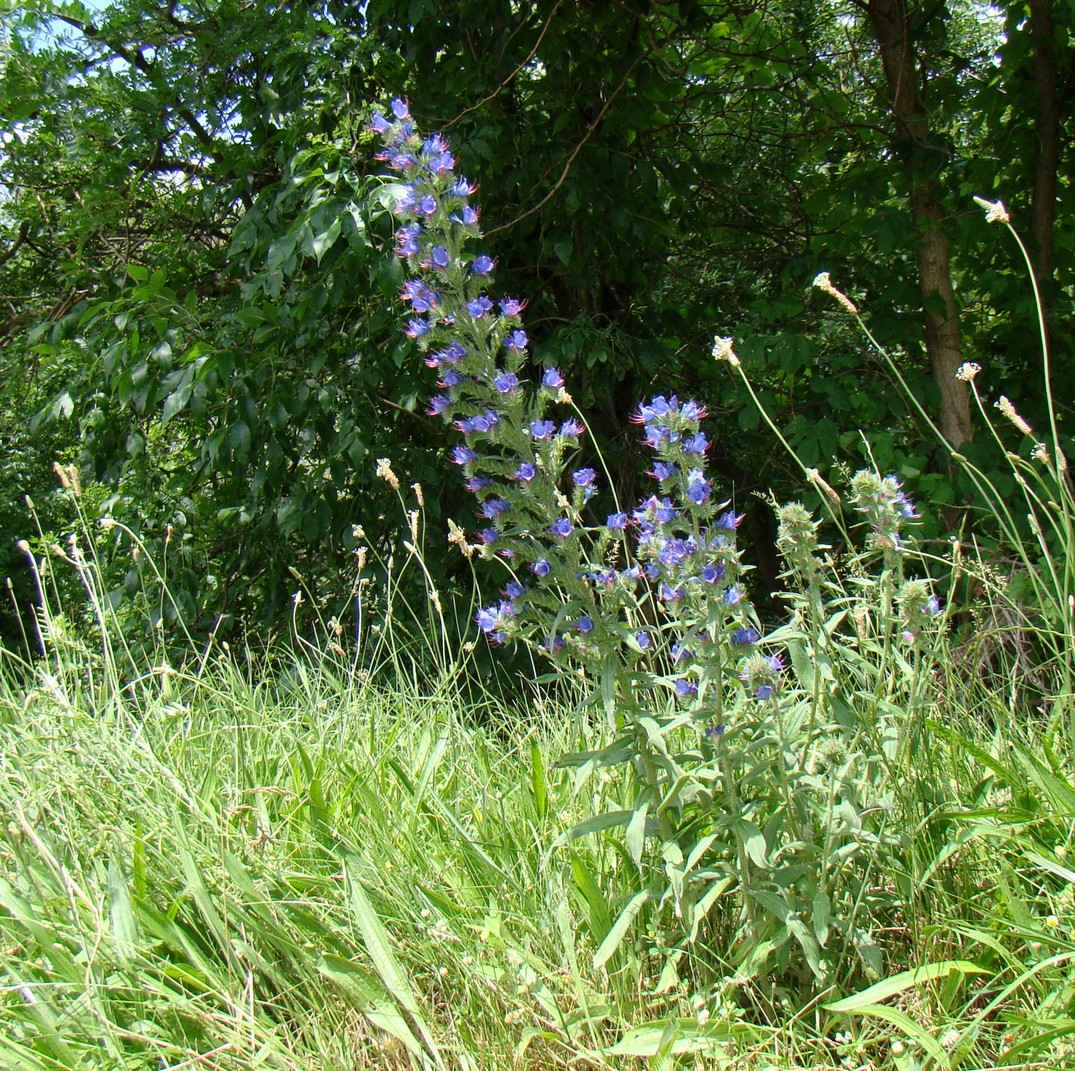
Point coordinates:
pixel 199 292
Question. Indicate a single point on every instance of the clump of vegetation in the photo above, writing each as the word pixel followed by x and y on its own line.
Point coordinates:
pixel 701 839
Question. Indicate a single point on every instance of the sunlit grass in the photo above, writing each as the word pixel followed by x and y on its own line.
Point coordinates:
pixel 217 868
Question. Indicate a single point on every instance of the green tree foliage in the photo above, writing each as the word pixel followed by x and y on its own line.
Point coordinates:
pixel 200 298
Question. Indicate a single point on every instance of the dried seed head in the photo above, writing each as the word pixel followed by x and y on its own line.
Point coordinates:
pixel 995 212
pixel 722 351
pixel 1008 410
pixel 815 478
pixel 384 471
pixel 824 283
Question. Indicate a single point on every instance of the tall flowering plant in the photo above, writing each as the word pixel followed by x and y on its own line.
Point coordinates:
pixel 650 603
pixel 664 577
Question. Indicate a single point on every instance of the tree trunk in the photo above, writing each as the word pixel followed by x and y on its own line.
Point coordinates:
pixel 923 161
pixel 1047 138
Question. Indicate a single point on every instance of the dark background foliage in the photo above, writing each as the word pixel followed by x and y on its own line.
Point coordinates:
pixel 199 306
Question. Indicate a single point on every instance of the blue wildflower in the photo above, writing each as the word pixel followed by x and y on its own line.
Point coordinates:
pixel 407 240
pixel 711 573
pixel 479 307
pixel 516 341
pixel 493 507
pixel 745 636
pixel 697 487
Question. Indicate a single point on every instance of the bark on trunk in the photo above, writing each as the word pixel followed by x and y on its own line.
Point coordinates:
pixel 913 145
pixel 1047 141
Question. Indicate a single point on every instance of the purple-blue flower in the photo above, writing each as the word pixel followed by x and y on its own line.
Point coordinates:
pixel 552 379
pixel 712 573
pixel 421 297
pixel 516 341
pixel 561 527
pixel 542 429
pixel 540 568
pixel 491 508
pixel 697 487
pixel 616 521
pixel 584 623
pixel 583 477
pixel 479 307
pixel 481 264
pixel 480 422
pixel 506 383
pixel 407 240
pixel 525 472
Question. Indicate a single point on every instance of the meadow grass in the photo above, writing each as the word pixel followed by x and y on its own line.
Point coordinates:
pixel 222 865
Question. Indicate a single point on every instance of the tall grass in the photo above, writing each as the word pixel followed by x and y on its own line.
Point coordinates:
pixel 211 865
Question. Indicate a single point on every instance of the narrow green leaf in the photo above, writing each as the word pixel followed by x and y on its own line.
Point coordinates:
pixel 614 938
pixel 889 987
pixel 538 787
pixel 635 837
pixel 379 947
